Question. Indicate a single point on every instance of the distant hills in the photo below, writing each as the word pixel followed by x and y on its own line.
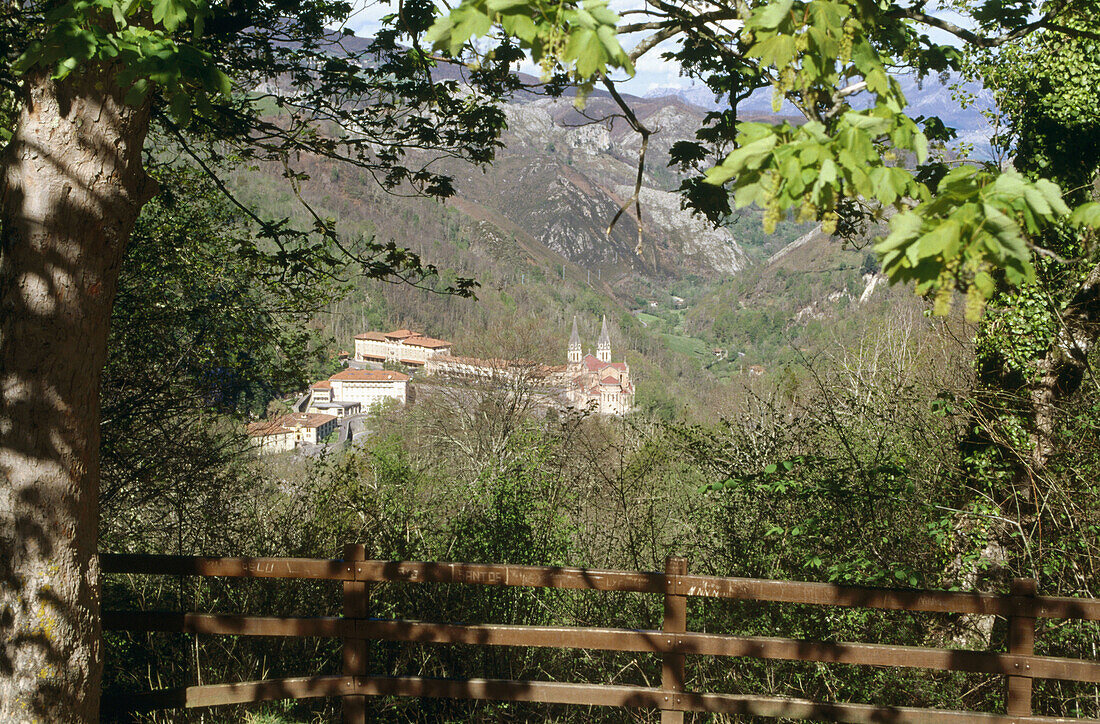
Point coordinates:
pixel 562 177
pixel 933 96
pixel 693 309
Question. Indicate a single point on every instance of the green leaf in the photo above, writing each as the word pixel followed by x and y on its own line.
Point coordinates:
pixel 1053 195
pixel 883 184
pixel 752 154
pixel 137 92
pixel 920 147
pixel 1010 184
pixel 1006 231
pixel 1037 201
pixel 771 15
pixel 1086 215
pixel 904 227
pixel 504 6
pixel 180 106
pixel 119 14
pixel 585 48
pixel 941 240
pixel 985 284
pixel 520 26
pixel 779 51
pixel 603 14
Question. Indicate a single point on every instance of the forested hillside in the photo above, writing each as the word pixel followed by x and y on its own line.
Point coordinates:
pixel 797 417
pixel 531 230
pixel 835 346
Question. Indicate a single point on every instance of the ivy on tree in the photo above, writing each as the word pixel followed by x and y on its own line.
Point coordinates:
pixel 89 90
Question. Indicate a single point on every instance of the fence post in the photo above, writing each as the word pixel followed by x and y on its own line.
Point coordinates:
pixel 1021 640
pixel 355 650
pixel 672 665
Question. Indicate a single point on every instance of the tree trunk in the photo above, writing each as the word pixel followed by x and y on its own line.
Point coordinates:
pixel 72 186
pixel 1035 401
pixel 1062 370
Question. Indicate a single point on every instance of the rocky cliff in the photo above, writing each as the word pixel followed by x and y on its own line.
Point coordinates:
pixel 564 174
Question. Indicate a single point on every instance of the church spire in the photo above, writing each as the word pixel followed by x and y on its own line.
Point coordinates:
pixel 574 355
pixel 603 345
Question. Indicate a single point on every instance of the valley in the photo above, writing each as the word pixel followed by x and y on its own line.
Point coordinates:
pixel 532 230
pixel 371 380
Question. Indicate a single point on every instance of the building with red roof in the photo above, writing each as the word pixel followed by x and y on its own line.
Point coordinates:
pixel 596 383
pixel 287 432
pixel 401 345
pixel 352 391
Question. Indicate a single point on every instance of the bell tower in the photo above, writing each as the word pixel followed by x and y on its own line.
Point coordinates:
pixel 603 344
pixel 574 354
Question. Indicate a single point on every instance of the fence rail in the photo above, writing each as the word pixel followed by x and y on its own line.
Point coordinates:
pixel 1022 606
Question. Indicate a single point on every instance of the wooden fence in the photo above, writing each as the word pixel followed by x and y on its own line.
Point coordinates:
pixel 1022 606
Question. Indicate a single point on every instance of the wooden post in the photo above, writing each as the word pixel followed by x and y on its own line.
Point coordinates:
pixel 1021 640
pixel 672 665
pixel 355 650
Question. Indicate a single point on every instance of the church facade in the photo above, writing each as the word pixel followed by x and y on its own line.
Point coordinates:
pixel 596 383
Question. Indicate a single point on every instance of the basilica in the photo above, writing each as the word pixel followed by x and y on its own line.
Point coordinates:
pixel 595 382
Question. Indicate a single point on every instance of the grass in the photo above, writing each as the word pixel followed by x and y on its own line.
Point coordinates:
pixel 686 345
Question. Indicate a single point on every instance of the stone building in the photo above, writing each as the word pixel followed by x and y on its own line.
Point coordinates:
pixel 401 345
pixel 289 431
pixel 595 382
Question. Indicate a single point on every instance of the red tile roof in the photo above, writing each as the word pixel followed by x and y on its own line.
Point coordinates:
pixel 593 363
pixel 428 342
pixel 308 419
pixel 405 336
pixel 369 376
pixel 264 428
pixel 322 385
pixel 609 380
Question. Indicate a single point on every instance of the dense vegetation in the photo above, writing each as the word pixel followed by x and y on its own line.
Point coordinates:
pixel 848 472
pixel 884 442
pixel 848 463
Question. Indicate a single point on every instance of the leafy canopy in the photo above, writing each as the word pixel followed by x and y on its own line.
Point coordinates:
pixel 265 82
pixel 859 156
pixel 576 37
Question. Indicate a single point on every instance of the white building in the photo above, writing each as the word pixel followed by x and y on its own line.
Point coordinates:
pixel 500 370
pixel 287 432
pixel 269 436
pixel 401 345
pixel 320 400
pixel 366 387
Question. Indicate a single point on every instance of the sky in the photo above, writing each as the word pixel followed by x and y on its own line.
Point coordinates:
pixel 652 73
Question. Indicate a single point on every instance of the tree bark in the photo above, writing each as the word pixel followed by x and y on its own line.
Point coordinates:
pixel 1062 370
pixel 72 186
pixel 1037 401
